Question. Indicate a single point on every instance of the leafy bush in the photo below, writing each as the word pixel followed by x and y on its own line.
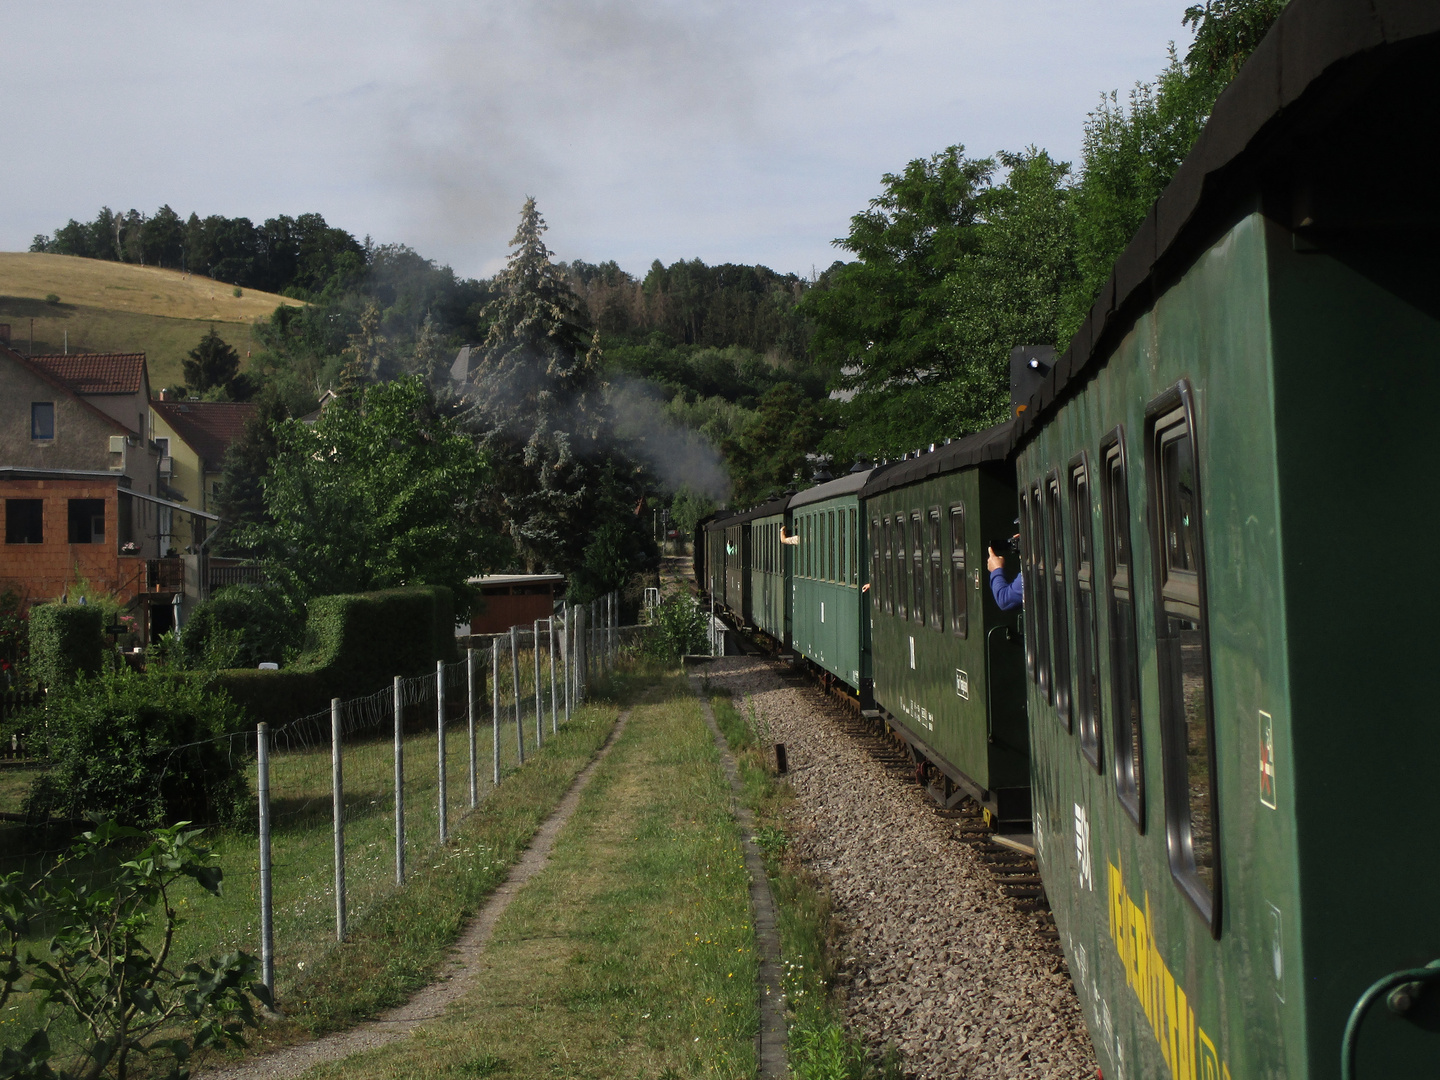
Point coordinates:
pixel 138 749
pixel 240 626
pixel 677 627
pixel 66 640
pixel 98 971
pixel 353 644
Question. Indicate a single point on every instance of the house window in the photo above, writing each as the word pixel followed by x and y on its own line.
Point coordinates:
pixel 959 594
pixel 87 521
pixel 1187 739
pixel 24 521
pixel 42 420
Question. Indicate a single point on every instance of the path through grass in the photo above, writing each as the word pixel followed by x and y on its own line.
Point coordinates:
pixel 632 953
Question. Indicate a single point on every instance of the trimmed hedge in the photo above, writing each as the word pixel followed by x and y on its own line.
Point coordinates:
pixel 66 641
pixel 354 644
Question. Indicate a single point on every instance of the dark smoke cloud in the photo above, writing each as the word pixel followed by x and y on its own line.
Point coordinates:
pixel 678 456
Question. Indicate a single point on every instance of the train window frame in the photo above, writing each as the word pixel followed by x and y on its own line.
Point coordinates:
pixel 877 552
pixel 1060 669
pixel 1026 616
pixel 959 590
pixel 902 578
pixel 842 551
pixel 1041 590
pixel 889 529
pixel 855 547
pixel 1180 595
pixel 917 567
pixel 936 569
pixel 832 550
pixel 1088 708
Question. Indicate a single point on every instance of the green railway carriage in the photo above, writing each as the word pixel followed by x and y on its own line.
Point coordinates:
pixel 737 567
pixel 829 626
pixel 769 563
pixel 1226 482
pixel 716 566
pixel 948 663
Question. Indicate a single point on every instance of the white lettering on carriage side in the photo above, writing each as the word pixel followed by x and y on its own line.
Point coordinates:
pixel 912 654
pixel 962 684
pixel 1267 760
pixel 822 610
pixel 1082 848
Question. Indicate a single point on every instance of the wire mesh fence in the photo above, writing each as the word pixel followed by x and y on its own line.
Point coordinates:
pixel 354 799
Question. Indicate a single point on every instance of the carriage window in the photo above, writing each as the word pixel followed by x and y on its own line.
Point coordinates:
pixel 832 549
pixel 937 573
pixel 917 570
pixel 959 594
pixel 854 546
pixel 1059 609
pixel 877 551
pixel 842 566
pixel 1124 664
pixel 1025 548
pixel 1087 645
pixel 1182 645
pixel 901 591
pixel 1041 593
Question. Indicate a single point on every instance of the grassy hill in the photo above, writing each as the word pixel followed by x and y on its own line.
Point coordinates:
pixel 118 307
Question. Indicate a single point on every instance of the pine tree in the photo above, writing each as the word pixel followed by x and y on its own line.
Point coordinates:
pixel 367 350
pixel 538 412
pixel 213 363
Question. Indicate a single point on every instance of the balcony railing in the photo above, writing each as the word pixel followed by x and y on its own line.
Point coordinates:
pixel 164 575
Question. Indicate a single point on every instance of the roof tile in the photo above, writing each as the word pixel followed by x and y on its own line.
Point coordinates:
pixel 95 373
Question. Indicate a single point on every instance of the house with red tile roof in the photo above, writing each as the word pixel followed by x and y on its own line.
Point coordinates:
pixel 194 436
pixel 80 482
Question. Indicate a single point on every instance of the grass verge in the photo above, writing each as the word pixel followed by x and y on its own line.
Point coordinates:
pixel 819 1046
pixel 632 953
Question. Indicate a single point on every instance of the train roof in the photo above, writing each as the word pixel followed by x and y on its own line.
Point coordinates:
pixel 1319 55
pixel 848 484
pixel 769 508
pixel 992 444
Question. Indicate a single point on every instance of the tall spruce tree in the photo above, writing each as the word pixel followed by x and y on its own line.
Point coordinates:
pixel 538 411
pixel 211 364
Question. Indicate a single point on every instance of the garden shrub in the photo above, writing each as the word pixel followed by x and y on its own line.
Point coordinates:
pixel 240 626
pixel 139 749
pixel 677 628
pixel 354 644
pixel 66 641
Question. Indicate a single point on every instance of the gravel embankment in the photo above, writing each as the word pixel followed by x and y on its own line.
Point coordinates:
pixel 936 961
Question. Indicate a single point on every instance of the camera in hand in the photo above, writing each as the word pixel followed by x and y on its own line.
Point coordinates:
pixel 1008 546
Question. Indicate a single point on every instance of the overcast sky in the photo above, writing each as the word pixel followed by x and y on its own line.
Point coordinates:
pixel 728 130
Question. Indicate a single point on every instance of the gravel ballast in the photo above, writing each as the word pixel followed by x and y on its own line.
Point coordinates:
pixel 935 960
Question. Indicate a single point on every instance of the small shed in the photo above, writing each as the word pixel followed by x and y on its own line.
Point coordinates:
pixel 508 600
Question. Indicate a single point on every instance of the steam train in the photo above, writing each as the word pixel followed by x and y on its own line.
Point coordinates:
pixel 1214 719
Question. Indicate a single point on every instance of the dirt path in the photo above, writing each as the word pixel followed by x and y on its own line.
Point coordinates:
pixel 453 981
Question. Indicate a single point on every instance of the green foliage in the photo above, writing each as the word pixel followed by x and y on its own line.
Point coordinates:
pixel 66 641
pixel 881 320
pixel 1226 32
pixel 382 490
pixel 353 644
pixel 241 626
pixel 139 749
pixel 687 509
pixel 1010 289
pixel 677 628
pixel 211 364
pixel 14 641
pixel 241 499
pixel 771 449
pixel 99 970
pixel 537 410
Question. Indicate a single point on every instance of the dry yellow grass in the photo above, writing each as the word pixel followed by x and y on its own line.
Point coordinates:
pixel 140 290
pixel 117 307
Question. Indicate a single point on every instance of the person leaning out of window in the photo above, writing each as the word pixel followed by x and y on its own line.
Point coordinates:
pixel 1008 594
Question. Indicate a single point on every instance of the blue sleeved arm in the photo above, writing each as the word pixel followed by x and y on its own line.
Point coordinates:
pixel 1008 594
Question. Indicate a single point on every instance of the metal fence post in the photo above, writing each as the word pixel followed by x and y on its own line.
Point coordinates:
pixel 515 681
pixel 539 706
pixel 337 790
pixel 495 704
pixel 567 654
pixel 554 701
pixel 470 719
pixel 267 908
pixel 440 753
pixel 399 782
